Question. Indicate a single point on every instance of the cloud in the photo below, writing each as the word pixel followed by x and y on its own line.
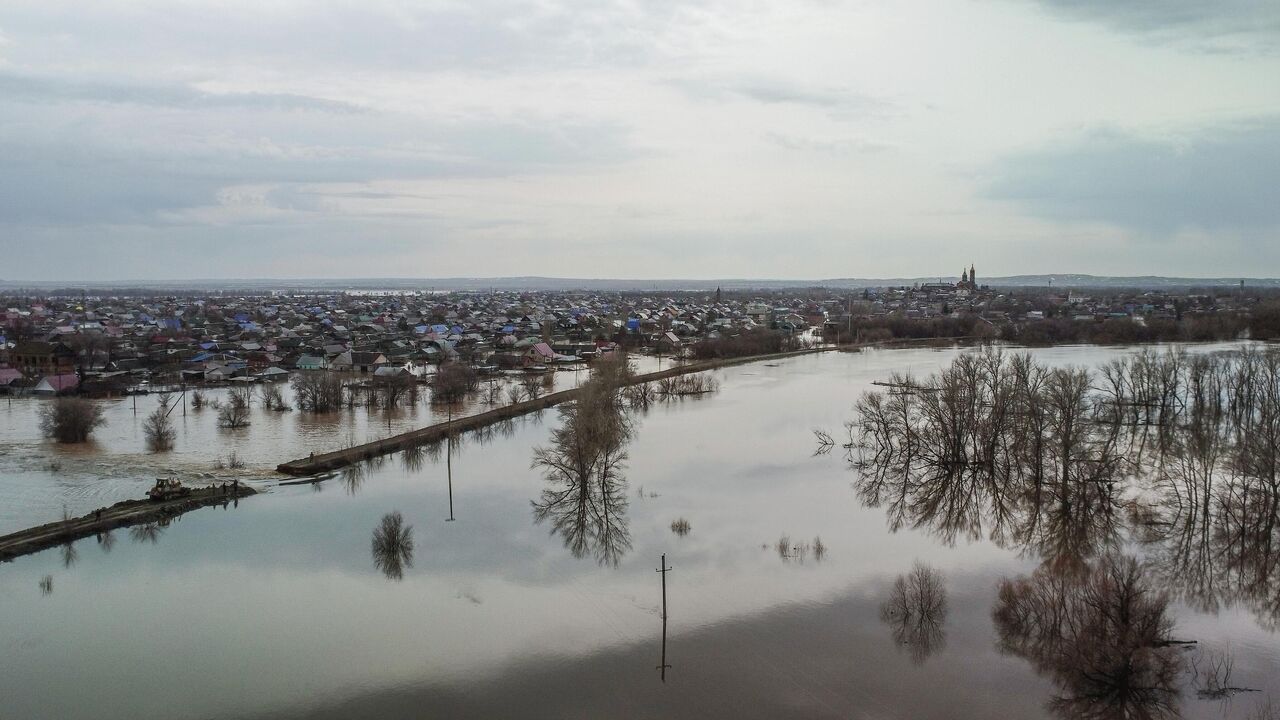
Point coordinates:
pixel 52 89
pixel 832 146
pixel 1223 25
pixel 834 100
pixel 1224 178
pixel 146 153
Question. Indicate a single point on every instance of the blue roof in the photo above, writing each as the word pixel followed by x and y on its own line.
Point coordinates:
pixel 440 328
pixel 633 324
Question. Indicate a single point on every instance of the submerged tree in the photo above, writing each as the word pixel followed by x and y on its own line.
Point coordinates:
pixel 235 413
pixel 70 420
pixel 1102 634
pixel 317 391
pixel 392 546
pixel 916 611
pixel 158 428
pixel 586 497
pixel 453 381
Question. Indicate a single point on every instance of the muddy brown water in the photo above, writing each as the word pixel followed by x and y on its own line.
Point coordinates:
pixel 283 607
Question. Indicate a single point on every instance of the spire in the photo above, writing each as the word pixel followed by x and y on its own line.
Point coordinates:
pixel 964 276
pixel 973 275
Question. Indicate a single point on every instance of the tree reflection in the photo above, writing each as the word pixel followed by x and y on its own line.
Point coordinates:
pixel 585 500
pixel 393 546
pixel 353 477
pixel 995 447
pixel 1039 459
pixel 1101 634
pixel 146 533
pixel 916 611
pixel 69 554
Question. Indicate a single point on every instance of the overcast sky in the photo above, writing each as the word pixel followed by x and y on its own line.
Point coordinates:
pixel 145 139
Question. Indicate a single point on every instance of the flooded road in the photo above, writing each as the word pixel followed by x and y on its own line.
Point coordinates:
pixel 790 596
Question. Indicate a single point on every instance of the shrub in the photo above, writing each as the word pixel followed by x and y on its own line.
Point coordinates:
pixel 70 420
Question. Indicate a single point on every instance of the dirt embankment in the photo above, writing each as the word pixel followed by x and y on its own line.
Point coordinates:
pixel 348 456
pixel 125 513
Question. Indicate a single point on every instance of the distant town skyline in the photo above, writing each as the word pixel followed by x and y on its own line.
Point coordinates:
pixel 601 139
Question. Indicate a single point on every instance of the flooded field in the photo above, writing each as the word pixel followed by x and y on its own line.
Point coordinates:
pixel 467 582
pixel 39 478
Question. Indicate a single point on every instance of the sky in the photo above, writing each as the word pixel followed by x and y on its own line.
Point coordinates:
pixel 806 139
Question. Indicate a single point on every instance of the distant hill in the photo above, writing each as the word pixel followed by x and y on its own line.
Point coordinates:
pixel 536 283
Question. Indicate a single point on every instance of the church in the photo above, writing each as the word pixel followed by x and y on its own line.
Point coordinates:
pixel 968 279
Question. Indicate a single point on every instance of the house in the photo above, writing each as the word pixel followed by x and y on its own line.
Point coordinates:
pixel 57 384
pixel 311 363
pixel 8 376
pixel 539 354
pixel 43 358
pixel 362 362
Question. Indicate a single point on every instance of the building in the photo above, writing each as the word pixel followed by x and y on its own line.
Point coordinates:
pixel 36 358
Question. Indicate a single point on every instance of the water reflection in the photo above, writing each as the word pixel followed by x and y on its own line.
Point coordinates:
pixel 916 611
pixel 585 500
pixel 146 533
pixel 392 546
pixel 1103 635
pixel 46 585
pixel 69 554
pixel 353 477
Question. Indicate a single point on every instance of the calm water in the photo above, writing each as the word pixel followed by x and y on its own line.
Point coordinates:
pixel 278 609
pixel 39 478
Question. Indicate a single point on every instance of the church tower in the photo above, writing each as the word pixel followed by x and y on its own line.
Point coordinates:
pixel 973 277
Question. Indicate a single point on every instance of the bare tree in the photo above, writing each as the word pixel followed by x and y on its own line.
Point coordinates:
pixel 393 546
pixel 70 420
pixel 452 382
pixel 235 413
pixel 273 398
pixel 317 391
pixel 916 610
pixel 158 428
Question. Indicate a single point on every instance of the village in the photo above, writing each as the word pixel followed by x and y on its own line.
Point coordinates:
pixel 110 345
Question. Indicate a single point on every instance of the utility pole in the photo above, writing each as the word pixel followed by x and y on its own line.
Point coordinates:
pixel 662 666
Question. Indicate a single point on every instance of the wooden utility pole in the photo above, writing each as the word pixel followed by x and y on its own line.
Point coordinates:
pixel 662 666
pixel 448 464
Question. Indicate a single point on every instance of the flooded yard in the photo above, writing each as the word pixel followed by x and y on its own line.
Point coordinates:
pixel 467 582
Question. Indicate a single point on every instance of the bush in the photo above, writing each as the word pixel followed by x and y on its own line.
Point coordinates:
pixel 453 381
pixel 317 391
pixel 158 428
pixel 70 420
pixel 235 413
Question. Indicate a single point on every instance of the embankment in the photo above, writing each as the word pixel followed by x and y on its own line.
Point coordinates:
pixel 348 456
pixel 125 513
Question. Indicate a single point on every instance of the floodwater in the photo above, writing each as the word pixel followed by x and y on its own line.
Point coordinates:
pixel 306 602
pixel 39 478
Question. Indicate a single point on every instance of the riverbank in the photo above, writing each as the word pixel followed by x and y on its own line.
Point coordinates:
pixel 125 513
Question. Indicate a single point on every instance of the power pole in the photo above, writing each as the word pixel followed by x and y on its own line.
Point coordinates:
pixel 662 666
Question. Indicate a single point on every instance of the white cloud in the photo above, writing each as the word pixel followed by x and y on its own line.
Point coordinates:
pixel 612 137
